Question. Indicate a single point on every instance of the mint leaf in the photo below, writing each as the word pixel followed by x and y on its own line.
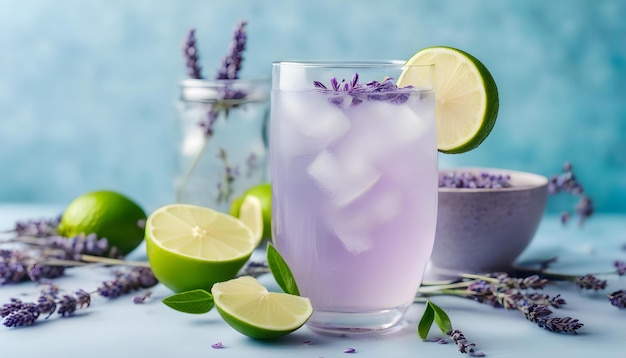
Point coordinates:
pixel 195 301
pixel 426 322
pixel 280 271
pixel 441 318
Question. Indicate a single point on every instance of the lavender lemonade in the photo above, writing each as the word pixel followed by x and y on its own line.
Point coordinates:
pixel 354 176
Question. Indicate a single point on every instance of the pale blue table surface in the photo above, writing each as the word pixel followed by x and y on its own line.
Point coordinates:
pixel 119 328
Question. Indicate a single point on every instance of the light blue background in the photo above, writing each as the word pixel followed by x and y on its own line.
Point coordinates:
pixel 87 87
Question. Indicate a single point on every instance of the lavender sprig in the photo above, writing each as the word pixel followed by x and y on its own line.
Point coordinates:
pixel 231 62
pixel 37 228
pixel 501 291
pixel 17 313
pixel 566 182
pixel 190 51
pixel 126 282
pixel 463 344
pixel 356 93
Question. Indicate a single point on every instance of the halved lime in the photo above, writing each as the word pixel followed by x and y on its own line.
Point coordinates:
pixel 251 214
pixel 248 307
pixel 466 95
pixel 191 247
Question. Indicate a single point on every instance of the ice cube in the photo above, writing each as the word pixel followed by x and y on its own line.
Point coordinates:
pixel 379 128
pixel 308 122
pixel 345 179
pixel 352 234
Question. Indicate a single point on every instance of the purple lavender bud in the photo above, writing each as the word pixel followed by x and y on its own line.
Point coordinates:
pixel 83 299
pixel 621 267
pixel 13 306
pixel 590 282
pixel 217 345
pixel 468 180
pixel 37 228
pixel 46 304
pixel 231 63
pixel 191 55
pixel 372 91
pixel 67 305
pixel 349 350
pixel 618 298
pixel 13 267
pixel 23 317
pixel 37 272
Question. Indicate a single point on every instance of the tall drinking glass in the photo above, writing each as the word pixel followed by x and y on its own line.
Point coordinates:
pixel 353 163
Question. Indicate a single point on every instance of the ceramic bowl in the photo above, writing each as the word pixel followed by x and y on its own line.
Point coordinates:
pixel 485 230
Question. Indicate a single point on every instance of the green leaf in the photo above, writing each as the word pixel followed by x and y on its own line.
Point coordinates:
pixel 441 318
pixel 195 301
pixel 426 322
pixel 280 271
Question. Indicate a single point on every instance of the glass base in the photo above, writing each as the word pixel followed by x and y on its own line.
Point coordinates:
pixel 351 323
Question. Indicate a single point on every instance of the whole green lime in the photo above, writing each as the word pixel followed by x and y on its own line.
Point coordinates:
pixel 263 192
pixel 107 214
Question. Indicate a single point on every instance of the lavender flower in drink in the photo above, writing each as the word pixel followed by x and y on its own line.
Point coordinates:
pixel 355 93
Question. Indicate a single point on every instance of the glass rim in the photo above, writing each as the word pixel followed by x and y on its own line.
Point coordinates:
pixel 202 82
pixel 346 64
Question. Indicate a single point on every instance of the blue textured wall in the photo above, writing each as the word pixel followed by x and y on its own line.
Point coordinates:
pixel 87 87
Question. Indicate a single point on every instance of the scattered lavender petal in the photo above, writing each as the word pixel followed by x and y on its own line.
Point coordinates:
pixel 349 350
pixel 217 345
pixel 621 267
pixel 618 298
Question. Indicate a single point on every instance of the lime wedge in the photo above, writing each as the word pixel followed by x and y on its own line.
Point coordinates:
pixel 191 247
pixel 466 93
pixel 249 308
pixel 251 214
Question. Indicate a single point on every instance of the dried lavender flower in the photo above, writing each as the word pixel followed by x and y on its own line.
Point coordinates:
pixel 13 266
pixel 356 93
pixel 138 299
pixel 566 182
pixel 469 180
pixel 542 316
pixel 618 298
pixel 190 51
pixel 349 350
pixel 23 317
pixel 217 345
pixel 14 305
pixel 81 244
pixel 463 344
pixel 231 62
pixel 590 282
pixel 135 279
pixel 37 228
pixel 37 272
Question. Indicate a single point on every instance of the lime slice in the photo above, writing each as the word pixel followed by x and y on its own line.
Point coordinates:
pixel 263 192
pixel 191 247
pixel 467 97
pixel 249 308
pixel 251 214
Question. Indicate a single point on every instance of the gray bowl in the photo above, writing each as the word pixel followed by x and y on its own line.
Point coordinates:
pixel 485 230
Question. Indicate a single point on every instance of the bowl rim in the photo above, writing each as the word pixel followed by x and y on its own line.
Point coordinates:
pixel 528 180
